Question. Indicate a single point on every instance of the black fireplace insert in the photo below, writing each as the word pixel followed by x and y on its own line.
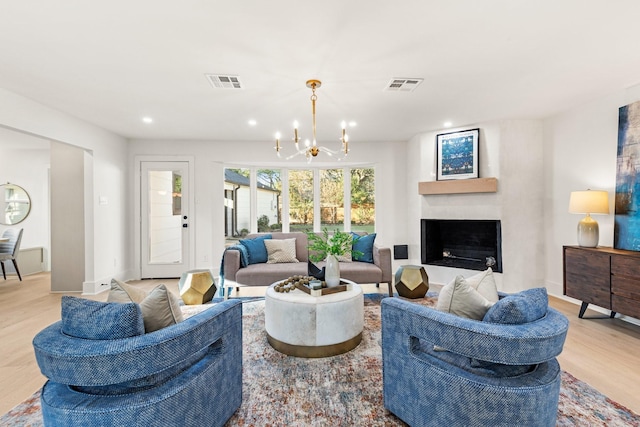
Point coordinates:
pixel 458 243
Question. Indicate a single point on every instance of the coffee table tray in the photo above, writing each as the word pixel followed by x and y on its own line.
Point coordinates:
pixel 344 286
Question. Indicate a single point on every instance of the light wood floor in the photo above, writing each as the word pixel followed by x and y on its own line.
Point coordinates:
pixel 604 352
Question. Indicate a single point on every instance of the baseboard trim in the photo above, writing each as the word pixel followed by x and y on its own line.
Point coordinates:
pixel 95 288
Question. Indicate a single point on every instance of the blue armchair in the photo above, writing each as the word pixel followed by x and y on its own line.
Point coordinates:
pixel 187 374
pixel 443 370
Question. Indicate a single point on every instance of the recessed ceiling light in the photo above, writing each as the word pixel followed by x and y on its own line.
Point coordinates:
pixel 252 122
pixel 352 124
pixel 147 119
pixel 447 124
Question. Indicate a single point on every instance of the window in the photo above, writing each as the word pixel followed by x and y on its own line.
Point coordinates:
pixel 237 203
pixel 332 199
pixel 268 200
pixel 301 200
pixel 363 207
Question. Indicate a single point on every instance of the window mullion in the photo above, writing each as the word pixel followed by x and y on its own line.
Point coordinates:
pixel 284 176
pixel 317 220
pixel 253 200
pixel 346 173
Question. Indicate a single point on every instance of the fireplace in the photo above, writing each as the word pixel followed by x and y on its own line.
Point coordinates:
pixel 468 244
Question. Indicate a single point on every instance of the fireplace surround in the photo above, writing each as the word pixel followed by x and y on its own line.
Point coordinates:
pixel 462 243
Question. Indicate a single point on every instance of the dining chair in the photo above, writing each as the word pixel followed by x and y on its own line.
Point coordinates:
pixel 9 249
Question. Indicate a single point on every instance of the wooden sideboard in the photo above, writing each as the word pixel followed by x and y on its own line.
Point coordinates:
pixel 606 277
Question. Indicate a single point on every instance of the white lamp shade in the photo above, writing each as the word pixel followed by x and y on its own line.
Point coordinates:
pixel 589 202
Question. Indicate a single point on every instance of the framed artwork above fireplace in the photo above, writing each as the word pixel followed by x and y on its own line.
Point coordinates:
pixel 457 154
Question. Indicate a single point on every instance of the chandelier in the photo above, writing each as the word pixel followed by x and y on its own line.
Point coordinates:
pixel 310 149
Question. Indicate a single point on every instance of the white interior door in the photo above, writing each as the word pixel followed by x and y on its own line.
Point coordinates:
pixel 165 230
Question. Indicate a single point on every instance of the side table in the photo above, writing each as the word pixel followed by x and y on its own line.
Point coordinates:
pixel 412 281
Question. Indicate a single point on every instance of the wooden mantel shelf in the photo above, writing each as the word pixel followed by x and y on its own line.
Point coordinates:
pixel 459 186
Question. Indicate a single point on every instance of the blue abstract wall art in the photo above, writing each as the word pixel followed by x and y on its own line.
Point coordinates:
pixel 627 213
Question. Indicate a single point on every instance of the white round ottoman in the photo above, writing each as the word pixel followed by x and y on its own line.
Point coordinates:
pixel 300 325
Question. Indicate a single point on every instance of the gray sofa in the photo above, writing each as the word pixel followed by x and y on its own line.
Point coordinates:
pixel 263 274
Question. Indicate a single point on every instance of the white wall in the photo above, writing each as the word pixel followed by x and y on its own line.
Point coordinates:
pixel 111 236
pixel 212 156
pixel 28 168
pixel 580 153
pixel 511 151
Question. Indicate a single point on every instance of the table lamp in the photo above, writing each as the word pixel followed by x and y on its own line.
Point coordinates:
pixel 588 202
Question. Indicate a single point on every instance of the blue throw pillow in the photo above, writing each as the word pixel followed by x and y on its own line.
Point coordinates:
pixel 256 250
pixel 516 309
pixel 363 244
pixel 96 320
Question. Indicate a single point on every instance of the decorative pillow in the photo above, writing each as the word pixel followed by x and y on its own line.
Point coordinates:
pixel 160 309
pixel 364 244
pixel 523 307
pixel 281 250
pixel 516 309
pixel 459 298
pixel 484 283
pixel 123 292
pixel 256 250
pixel 97 320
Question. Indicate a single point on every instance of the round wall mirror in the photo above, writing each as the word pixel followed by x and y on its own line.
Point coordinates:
pixel 15 204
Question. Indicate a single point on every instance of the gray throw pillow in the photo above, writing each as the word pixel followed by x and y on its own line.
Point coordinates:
pixel 123 292
pixel 460 298
pixel 160 309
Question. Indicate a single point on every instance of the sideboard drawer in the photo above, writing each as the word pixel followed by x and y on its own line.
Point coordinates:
pixel 625 266
pixel 628 306
pixel 626 287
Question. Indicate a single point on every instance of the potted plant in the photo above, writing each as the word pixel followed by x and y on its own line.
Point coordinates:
pixel 323 246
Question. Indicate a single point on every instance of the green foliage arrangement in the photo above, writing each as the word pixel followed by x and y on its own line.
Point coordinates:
pixel 263 224
pixel 339 244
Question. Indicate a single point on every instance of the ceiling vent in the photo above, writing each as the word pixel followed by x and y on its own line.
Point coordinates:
pixel 224 81
pixel 403 85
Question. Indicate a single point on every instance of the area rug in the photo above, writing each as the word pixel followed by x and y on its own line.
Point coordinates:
pixel 344 390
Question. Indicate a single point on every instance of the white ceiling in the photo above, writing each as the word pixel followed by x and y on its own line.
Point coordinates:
pixel 113 62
